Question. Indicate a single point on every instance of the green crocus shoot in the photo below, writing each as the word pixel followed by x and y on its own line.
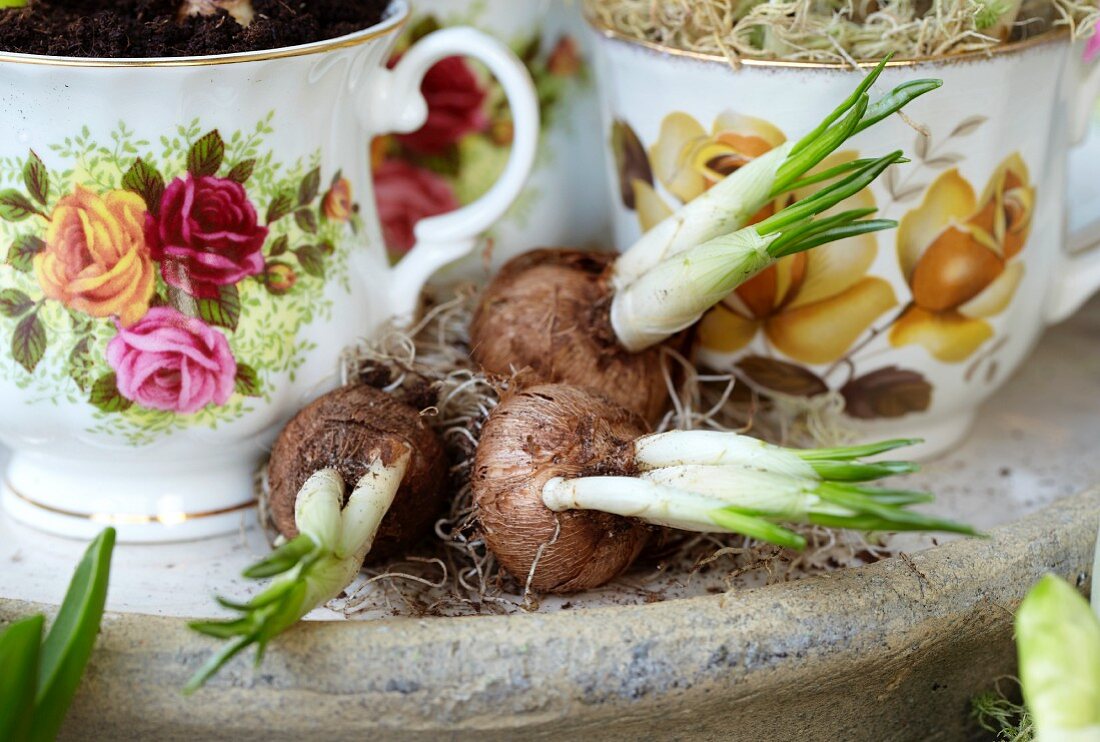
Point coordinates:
pixel 354 435
pixel 567 483
pixel 39 675
pixel 1058 643
pixel 311 569
pixel 599 321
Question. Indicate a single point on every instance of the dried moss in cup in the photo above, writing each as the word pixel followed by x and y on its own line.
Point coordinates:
pixel 598 322
pixel 355 435
pixel 567 485
pixel 840 30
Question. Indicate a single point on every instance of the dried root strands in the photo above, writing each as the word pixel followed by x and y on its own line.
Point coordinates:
pixel 565 483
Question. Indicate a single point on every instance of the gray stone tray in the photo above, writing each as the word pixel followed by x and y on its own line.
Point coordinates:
pixel 889 651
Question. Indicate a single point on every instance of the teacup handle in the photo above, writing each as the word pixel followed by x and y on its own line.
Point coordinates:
pixel 1078 277
pixel 396 105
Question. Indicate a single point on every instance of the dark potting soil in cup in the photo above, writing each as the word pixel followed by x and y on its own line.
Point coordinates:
pixel 151 28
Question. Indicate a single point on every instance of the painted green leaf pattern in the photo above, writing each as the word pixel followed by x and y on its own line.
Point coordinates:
pixel 22 252
pixel 247 381
pixel 28 342
pixel 311 183
pixel 37 179
pixel 14 206
pixel 106 396
pixel 14 303
pixel 242 171
pixel 223 311
pixel 307 220
pixel 206 155
pixel 279 207
pixel 312 260
pixel 144 180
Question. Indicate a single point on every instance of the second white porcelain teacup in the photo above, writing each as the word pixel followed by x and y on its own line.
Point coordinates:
pixel 913 328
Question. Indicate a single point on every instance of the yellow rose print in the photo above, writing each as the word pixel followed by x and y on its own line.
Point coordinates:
pixel 956 252
pixel 811 306
pixel 687 160
pixel 96 258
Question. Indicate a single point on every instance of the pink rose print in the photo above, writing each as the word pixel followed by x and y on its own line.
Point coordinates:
pixel 405 194
pixel 169 361
pixel 1092 50
pixel 456 102
pixel 207 235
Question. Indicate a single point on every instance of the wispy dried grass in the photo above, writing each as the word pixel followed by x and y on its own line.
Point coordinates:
pixel 454 574
pixel 843 31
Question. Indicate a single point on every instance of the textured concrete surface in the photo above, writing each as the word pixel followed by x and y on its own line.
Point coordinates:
pixel 888 652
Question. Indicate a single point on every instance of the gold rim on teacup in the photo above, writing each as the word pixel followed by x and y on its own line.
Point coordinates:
pixel 131 519
pixel 614 34
pixel 397 15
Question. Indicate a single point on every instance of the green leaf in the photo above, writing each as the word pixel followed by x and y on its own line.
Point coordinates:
pixel 19 645
pixel 224 310
pixel 242 171
pixel 14 303
pixel 860 471
pixel 851 453
pixel 307 189
pixel 283 559
pixel 106 396
pixel 69 644
pixel 279 246
pixel 306 220
pixel 14 206
pixel 248 381
pixel 735 520
pixel 206 154
pixel 28 342
pixel 312 260
pixel 36 178
pixel 81 364
pixel 279 207
pixel 147 182
pixel 22 252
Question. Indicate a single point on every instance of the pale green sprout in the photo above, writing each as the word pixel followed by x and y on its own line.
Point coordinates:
pixel 1058 643
pixel 732 202
pixel 311 569
pixel 675 293
pixel 708 481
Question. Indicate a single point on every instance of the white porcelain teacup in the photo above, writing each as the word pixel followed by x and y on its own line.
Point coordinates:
pixel 191 243
pixel 913 328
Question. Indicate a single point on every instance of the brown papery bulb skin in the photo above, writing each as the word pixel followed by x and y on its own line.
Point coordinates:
pixel 549 311
pixel 547 431
pixel 345 430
